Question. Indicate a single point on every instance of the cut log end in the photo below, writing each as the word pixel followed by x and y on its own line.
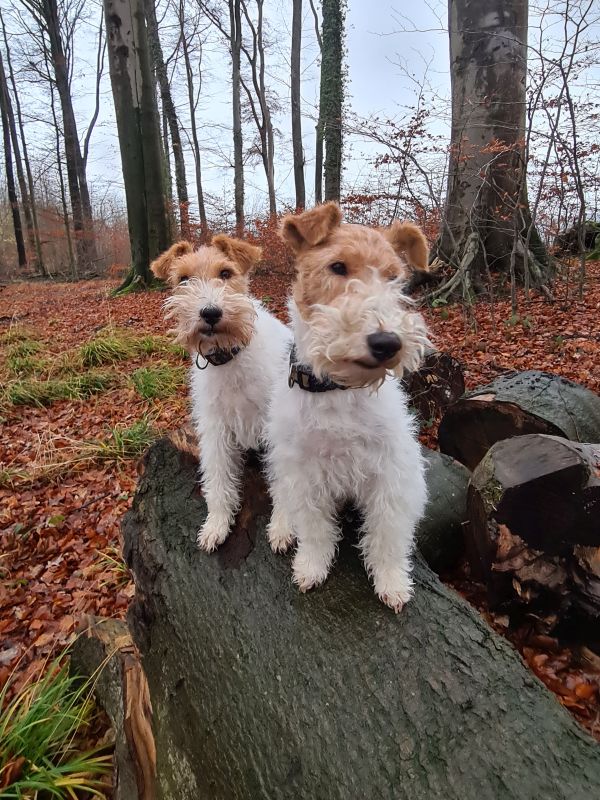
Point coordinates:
pixel 534 527
pixel 514 405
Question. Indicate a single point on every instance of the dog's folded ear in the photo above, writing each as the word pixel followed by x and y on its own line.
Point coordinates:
pixel 244 254
pixel 162 266
pixel 311 227
pixel 408 239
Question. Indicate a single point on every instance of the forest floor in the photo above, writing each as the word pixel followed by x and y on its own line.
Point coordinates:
pixel 88 381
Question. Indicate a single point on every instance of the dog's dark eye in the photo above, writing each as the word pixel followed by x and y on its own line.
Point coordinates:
pixel 338 268
pixel 225 274
pixel 392 277
pixel 183 278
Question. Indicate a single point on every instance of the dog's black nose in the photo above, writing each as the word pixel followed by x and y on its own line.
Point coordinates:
pixel 211 315
pixel 383 345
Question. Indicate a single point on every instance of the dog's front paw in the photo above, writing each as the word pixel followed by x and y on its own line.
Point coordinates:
pixel 213 533
pixel 280 536
pixel 395 589
pixel 309 570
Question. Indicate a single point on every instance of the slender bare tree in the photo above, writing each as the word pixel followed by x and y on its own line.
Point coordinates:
pixel 170 115
pixel 28 191
pixel 231 30
pixel 298 150
pixel 256 94
pixel 8 163
pixel 190 40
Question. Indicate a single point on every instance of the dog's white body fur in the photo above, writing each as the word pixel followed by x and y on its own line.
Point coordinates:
pixel 325 448
pixel 229 408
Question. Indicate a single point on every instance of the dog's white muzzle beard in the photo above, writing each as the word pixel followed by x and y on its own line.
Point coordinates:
pixel 334 338
pixel 233 329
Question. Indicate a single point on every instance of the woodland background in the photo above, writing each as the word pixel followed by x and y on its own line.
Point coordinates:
pixel 128 124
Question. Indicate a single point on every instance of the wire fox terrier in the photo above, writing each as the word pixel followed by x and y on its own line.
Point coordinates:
pixel 339 428
pixel 238 349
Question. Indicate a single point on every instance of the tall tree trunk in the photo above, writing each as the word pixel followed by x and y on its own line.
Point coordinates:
pixel 269 143
pixel 487 214
pixel 235 40
pixel 78 188
pixel 61 180
pixel 10 118
pixel 171 116
pixel 30 186
pixel 295 98
pixel 10 178
pixel 332 94
pixel 192 106
pixel 139 136
pixel 319 125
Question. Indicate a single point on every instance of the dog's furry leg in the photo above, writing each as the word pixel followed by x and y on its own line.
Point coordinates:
pixel 221 461
pixel 387 544
pixel 280 532
pixel 317 534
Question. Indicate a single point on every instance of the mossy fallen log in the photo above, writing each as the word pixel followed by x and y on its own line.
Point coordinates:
pixel 259 691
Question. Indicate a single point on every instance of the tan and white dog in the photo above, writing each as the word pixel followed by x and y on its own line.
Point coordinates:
pixel 237 348
pixel 339 428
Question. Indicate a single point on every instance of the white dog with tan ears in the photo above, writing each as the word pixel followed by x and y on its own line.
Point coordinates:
pixel 339 428
pixel 238 349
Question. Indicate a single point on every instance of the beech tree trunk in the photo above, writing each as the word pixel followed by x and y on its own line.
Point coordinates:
pixel 139 136
pixel 259 691
pixel 171 117
pixel 295 101
pixel 332 95
pixel 486 220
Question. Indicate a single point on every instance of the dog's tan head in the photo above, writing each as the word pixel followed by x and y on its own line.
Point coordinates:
pixel 210 303
pixel 357 324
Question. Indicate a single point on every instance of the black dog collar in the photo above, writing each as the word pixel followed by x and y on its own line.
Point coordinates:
pixel 217 357
pixel 302 375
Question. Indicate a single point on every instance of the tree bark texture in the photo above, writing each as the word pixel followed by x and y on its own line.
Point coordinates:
pixel 171 116
pixel 139 135
pixel 260 691
pixel 332 94
pixel 11 189
pixel 486 208
pixel 515 404
pixel 298 150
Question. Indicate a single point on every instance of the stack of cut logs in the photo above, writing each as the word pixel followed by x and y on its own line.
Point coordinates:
pixel 532 508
